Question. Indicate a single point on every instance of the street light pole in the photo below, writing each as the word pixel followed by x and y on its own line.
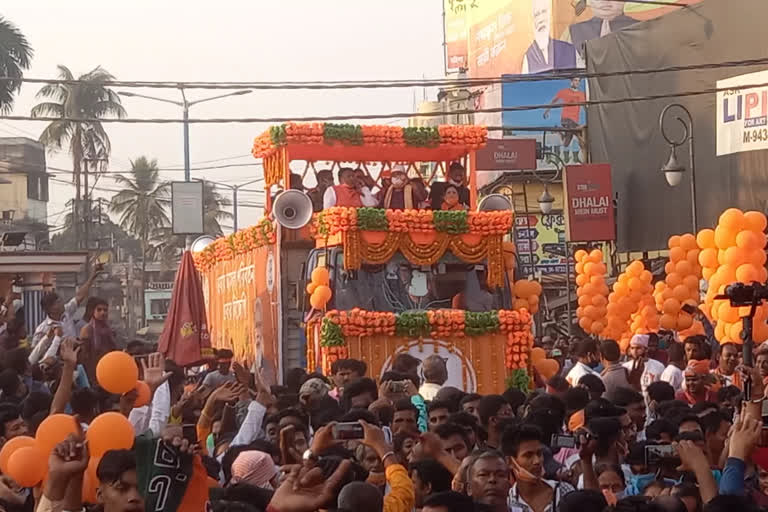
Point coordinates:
pixel 235 189
pixel 673 171
pixel 185 115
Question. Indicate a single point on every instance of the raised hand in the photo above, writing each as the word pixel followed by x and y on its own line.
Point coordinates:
pixel 68 352
pixel 70 457
pixel 229 392
pixel 745 435
pixel 154 371
pixel 305 490
pixel 243 376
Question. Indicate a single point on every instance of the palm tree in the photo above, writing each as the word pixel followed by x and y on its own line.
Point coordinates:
pixel 143 207
pixel 85 98
pixel 214 205
pixel 15 57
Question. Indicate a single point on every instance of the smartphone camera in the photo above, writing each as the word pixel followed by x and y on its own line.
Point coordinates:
pixel 346 431
pixel 564 441
pixel 397 387
pixel 658 454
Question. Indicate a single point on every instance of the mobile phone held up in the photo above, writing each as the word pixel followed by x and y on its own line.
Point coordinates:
pixel 189 432
pixel 346 431
pixel 564 441
pixel 657 454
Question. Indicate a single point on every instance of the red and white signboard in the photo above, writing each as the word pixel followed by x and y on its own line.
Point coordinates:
pixel 507 155
pixel 590 213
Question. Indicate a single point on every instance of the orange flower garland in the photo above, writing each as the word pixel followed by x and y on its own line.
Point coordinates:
pixel 226 248
pixel 446 323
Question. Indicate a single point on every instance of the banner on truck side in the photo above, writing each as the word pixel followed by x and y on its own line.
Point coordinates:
pixel 742 114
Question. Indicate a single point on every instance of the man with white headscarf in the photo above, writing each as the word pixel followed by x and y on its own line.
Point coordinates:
pixel 651 369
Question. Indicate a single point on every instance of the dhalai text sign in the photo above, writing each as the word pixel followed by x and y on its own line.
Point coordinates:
pixel 742 114
pixel 507 155
pixel 589 195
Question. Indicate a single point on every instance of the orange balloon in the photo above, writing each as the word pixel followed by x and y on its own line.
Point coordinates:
pixel 117 372
pixel 27 466
pixel 684 322
pixel 669 267
pixel 691 282
pixel 671 306
pixel 144 394
pixel 755 221
pixel 732 218
pixel 693 257
pixel 538 354
pixel 324 292
pixel 707 273
pixel 91 481
pixel 757 258
pixel 734 330
pixel 321 276
pixel 750 240
pixel 585 323
pixel 674 241
pixel 533 300
pixel 588 268
pixel 708 258
pixel 635 284
pixel 597 327
pixel 579 267
pixel 311 288
pixel 760 332
pixel 726 313
pixel 580 255
pixel 547 368
pixel 646 277
pixel 747 273
pixel 636 267
pixel 536 289
pixel 520 304
pixel 109 431
pixel 683 268
pixel 596 255
pixel 316 302
pixel 681 292
pixel 706 239
pixel 735 256
pixel 11 446
pixel 720 331
pixel 599 301
pixel 668 322
pixel 591 312
pixel 725 237
pixel 582 279
pixel 585 300
pixel 676 254
pixel 53 430
pixel 688 242
pixel 620 288
pixel 674 279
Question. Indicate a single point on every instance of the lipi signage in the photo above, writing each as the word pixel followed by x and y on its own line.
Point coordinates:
pixel 742 113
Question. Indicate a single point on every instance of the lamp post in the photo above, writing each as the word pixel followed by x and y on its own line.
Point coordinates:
pixel 673 170
pixel 185 104
pixel 235 189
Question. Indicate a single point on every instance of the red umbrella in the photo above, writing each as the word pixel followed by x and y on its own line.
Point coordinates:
pixel 185 338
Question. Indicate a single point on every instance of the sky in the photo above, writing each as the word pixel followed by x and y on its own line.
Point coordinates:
pixel 229 40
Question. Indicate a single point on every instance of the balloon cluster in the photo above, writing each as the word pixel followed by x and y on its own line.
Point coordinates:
pixel 319 291
pixel 734 252
pixel 592 291
pixel 644 321
pixel 629 291
pixel 527 295
pixel 681 286
pixel 547 368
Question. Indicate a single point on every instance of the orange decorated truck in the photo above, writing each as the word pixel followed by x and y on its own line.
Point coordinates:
pixel 308 285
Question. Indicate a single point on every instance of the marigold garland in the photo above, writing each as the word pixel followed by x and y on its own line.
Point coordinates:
pixel 267 144
pixel 241 242
pixel 339 218
pixel 337 326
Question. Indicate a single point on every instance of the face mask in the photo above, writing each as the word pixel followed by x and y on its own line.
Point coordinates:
pixel 453 182
pixel 595 365
pixel 521 474
pixel 397 181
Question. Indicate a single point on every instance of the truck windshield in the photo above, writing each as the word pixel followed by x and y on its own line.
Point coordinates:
pixel 400 286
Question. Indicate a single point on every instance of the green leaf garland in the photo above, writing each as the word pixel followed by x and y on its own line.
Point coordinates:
pixel 451 222
pixel 351 134
pixel 519 379
pixel 372 219
pixel 412 323
pixel 277 134
pixel 425 137
pixel 481 323
pixel 331 334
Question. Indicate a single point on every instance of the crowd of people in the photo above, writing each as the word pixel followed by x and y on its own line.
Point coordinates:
pixel 669 426
pixel 395 190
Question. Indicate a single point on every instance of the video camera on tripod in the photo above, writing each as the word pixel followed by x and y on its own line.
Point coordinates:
pixel 746 295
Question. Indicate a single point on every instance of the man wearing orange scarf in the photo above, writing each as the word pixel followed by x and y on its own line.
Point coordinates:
pixel 350 192
pixel 726 369
pixel 697 383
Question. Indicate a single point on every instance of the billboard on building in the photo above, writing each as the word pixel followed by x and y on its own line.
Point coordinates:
pixel 494 37
pixel 564 111
pixel 742 114
pixel 540 241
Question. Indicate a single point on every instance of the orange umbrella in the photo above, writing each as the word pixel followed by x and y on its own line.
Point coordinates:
pixel 185 338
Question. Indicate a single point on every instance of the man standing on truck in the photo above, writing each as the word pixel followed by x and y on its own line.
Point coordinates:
pixel 350 192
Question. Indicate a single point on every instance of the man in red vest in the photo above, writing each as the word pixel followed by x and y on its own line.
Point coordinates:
pixel 350 192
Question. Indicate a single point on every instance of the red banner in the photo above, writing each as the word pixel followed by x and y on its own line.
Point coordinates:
pixel 507 155
pixel 589 196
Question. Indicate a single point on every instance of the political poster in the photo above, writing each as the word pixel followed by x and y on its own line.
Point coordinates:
pixel 742 113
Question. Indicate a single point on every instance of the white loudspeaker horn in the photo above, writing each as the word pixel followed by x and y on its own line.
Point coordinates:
pixel 494 202
pixel 202 242
pixel 293 209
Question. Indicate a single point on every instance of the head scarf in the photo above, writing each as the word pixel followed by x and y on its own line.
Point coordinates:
pixel 695 367
pixel 639 340
pixel 314 387
pixel 576 421
pixel 254 468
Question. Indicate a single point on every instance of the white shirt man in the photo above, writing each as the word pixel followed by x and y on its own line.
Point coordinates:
pixel 652 369
pixel 578 371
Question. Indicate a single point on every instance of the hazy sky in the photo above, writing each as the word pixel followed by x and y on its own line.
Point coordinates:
pixel 228 40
